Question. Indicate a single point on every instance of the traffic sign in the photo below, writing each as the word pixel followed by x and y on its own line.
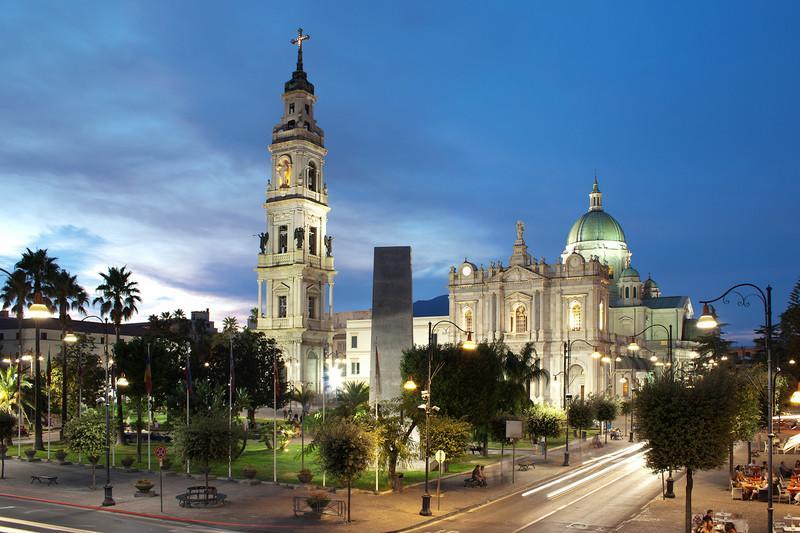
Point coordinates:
pixel 160 451
pixel 439 456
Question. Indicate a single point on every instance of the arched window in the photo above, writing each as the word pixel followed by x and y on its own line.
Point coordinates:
pixel 312 176
pixel 627 292
pixel 575 316
pixel 601 316
pixel 634 291
pixel 468 320
pixel 520 324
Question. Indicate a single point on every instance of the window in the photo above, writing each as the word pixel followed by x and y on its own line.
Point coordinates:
pixel 627 292
pixel 468 319
pixel 312 176
pixel 610 272
pixel 16 335
pixel 2 336
pixel 291 124
pixel 312 307
pixel 575 316
pixel 312 240
pixel 283 239
pixel 355 368
pixel 307 126
pixel 43 335
pixel 634 291
pixel 281 306
pixel 601 316
pixel 520 320
pixel 353 341
pixel 308 110
pixel 291 108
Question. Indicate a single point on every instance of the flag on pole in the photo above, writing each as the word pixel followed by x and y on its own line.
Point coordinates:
pixel 188 374
pixel 377 372
pixel 148 375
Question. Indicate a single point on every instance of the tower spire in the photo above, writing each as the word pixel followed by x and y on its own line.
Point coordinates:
pixel 595 197
pixel 299 43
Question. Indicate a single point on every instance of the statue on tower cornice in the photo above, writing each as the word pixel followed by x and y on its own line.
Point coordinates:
pixel 263 240
pixel 299 234
pixel 520 230
pixel 329 245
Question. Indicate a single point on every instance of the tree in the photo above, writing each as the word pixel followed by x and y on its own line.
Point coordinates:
pixel 15 294
pixel 606 410
pixel 352 398
pixel 687 427
pixel 9 393
pixel 790 323
pixel 230 324
pixel 118 298
pixel 206 440
pixel 39 269
pixel 345 451
pixel 8 423
pixel 711 345
pixel 747 421
pixel 68 296
pixel 87 435
pixel 392 431
pixel 451 435
pixel 581 414
pixel 544 421
pixel 519 370
pixel 466 386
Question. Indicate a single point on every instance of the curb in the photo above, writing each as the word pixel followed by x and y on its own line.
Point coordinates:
pixel 167 518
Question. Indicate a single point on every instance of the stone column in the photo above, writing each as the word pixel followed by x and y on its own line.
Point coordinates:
pixel 330 301
pixel 260 301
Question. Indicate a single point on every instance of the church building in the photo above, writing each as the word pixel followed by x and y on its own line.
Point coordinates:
pixel 295 271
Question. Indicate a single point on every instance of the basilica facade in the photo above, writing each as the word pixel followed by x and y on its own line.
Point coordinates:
pixel 592 303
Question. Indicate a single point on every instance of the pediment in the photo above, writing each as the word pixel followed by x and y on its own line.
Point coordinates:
pixel 518 296
pixel 518 273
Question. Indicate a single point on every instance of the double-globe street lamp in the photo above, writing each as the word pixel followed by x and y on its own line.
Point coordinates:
pixel 70 337
pixel 469 345
pixel 567 358
pixel 707 322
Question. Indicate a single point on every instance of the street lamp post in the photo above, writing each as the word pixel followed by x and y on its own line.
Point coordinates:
pixel 108 499
pixel 707 321
pixel 567 358
pixel 468 344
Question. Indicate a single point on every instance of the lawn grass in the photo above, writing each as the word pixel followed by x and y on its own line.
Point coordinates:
pixel 257 455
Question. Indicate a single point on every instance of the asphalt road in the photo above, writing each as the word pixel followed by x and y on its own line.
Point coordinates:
pixel 598 496
pixel 19 515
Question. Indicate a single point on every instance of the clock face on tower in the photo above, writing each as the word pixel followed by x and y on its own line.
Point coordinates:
pixel 466 270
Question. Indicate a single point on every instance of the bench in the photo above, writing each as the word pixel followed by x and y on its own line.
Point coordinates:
pixel 201 497
pixel 475 449
pixel 524 465
pixel 45 479
pixel 301 506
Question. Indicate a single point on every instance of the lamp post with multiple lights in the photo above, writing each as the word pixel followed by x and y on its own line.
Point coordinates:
pixel 567 358
pixel 707 322
pixel 409 385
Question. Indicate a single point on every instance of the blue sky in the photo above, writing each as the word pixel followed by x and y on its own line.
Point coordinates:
pixel 135 133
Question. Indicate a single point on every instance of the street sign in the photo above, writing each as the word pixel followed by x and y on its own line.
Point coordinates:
pixel 160 452
pixel 439 456
pixel 513 429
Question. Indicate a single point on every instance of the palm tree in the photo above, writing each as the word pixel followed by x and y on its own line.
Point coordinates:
pixel 351 396
pixel 39 270
pixel 9 391
pixel 14 294
pixel 119 296
pixel 68 296
pixel 230 323
pixel 304 396
pixel 520 370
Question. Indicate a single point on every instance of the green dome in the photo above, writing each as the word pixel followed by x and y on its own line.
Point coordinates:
pixel 650 283
pixel 595 226
pixel 629 272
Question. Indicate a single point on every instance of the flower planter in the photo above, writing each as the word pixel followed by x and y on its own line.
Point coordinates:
pixel 143 487
pixel 305 476
pixel 31 454
pixel 249 473
pixel 61 457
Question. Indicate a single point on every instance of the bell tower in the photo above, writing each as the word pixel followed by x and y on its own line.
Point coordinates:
pixel 295 270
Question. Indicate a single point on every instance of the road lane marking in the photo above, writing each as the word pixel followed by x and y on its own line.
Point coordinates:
pixel 564 506
pixel 636 458
pixel 42 525
pixel 601 461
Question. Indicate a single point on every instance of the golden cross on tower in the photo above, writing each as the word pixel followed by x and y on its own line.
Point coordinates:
pixel 300 39
pixel 299 43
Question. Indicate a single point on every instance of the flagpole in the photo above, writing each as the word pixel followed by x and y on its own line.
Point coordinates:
pixel 274 418
pixel 188 378
pixel 49 423
pixel 149 409
pixel 376 453
pixel 230 410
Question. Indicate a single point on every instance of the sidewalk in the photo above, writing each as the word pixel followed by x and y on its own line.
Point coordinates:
pixel 269 506
pixel 711 491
